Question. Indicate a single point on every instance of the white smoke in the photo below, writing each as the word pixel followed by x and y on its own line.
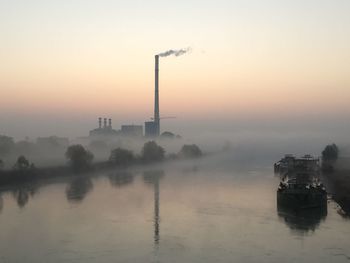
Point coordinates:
pixel 176 53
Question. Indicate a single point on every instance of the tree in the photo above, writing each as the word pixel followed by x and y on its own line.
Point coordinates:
pixel 190 151
pixel 330 153
pixel 79 157
pixel 121 157
pixel 167 135
pixel 329 157
pixel 6 145
pixel 152 152
pixel 22 163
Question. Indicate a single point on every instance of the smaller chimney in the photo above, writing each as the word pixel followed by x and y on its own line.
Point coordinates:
pixel 110 123
pixel 104 122
pixel 99 122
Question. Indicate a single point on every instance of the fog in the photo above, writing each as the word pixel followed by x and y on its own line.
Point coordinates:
pixel 245 140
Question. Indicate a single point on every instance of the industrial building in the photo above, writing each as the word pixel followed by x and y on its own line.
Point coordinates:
pixel 152 128
pixel 104 131
pixel 132 130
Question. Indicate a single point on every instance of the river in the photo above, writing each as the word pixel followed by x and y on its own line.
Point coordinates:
pixel 201 211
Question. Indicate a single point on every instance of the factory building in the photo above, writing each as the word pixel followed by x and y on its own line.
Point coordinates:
pixel 132 130
pixel 151 129
pixel 105 130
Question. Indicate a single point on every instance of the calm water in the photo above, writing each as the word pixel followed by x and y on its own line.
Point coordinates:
pixel 209 211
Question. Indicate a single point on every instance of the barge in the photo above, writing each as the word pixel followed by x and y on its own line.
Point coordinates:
pixel 300 186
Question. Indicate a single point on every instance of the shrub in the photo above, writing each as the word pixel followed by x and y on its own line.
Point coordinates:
pixel 152 152
pixel 330 153
pixel 79 157
pixel 22 163
pixel 167 135
pixel 329 157
pixel 190 151
pixel 121 157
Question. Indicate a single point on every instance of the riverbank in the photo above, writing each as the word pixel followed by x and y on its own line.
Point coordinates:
pixel 338 184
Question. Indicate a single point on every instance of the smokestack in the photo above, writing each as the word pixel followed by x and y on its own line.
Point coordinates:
pixel 99 122
pixel 104 122
pixel 110 123
pixel 156 96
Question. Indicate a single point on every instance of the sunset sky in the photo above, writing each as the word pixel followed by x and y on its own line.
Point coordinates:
pixel 69 60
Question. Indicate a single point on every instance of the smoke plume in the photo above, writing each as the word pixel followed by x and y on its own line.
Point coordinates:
pixel 176 53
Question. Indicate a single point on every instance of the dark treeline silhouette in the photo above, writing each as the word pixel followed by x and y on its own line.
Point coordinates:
pixel 337 176
pixel 329 157
pixel 190 151
pixel 80 160
pixel 22 164
pixel 121 157
pixel 45 150
pixel 152 152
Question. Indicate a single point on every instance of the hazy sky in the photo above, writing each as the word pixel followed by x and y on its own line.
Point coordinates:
pixel 71 61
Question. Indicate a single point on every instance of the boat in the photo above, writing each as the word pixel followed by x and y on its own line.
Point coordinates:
pixel 300 186
pixel 289 163
pixel 285 164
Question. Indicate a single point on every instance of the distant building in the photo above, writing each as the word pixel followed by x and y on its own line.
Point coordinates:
pixel 132 130
pixel 103 131
pixel 151 129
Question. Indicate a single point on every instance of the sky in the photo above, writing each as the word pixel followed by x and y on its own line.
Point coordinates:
pixel 65 63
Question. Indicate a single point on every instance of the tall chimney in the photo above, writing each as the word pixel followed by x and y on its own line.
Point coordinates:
pixel 110 123
pixel 100 122
pixel 104 122
pixel 156 96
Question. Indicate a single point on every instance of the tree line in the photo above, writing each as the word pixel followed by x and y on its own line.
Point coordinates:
pixel 80 158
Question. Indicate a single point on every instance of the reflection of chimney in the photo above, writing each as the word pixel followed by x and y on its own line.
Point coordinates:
pixel 156 211
pixel 110 123
pixel 104 122
pixel 100 122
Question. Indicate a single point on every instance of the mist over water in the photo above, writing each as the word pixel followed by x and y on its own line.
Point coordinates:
pixel 248 139
pixel 218 208
pixel 212 209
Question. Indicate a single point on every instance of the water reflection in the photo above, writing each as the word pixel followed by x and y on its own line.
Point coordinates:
pixel 344 206
pixel 23 192
pixel 1 203
pixel 153 178
pixel 302 220
pixel 120 178
pixel 78 188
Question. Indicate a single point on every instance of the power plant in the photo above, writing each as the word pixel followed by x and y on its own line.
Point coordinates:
pixel 152 128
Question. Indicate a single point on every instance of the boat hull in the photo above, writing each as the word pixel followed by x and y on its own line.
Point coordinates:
pixel 302 199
